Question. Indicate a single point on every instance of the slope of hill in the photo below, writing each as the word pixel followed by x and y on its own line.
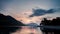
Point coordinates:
pixel 8 23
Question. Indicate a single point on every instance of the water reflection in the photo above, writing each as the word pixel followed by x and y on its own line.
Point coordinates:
pixel 28 30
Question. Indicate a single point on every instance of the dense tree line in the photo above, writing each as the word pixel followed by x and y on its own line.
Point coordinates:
pixel 53 22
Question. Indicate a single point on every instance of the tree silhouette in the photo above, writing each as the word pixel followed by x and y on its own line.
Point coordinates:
pixel 8 23
pixel 53 22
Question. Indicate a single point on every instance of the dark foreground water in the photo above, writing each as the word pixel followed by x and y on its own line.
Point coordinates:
pixel 28 30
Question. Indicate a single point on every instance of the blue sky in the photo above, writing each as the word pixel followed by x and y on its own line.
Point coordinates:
pixel 29 4
pixel 21 9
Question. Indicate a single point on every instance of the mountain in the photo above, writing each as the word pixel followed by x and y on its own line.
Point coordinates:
pixel 8 23
pixel 32 25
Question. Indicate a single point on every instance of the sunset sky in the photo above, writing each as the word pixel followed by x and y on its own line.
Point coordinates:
pixel 22 9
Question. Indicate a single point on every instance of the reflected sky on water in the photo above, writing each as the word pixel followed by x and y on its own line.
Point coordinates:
pixel 28 30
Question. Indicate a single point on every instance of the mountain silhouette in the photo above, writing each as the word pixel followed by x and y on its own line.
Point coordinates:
pixel 8 23
pixel 32 25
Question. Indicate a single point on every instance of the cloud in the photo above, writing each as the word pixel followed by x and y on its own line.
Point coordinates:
pixel 40 12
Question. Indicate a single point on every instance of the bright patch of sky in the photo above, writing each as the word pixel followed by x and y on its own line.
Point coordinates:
pixel 21 9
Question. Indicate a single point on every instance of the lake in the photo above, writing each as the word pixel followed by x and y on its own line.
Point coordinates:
pixel 28 30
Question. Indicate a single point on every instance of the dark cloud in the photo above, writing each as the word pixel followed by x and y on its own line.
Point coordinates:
pixel 39 12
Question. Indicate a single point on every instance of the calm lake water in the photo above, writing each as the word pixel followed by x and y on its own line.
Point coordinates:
pixel 28 30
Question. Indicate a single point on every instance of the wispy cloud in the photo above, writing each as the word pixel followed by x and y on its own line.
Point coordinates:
pixel 22 10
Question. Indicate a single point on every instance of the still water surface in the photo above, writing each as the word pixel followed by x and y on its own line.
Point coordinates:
pixel 28 30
